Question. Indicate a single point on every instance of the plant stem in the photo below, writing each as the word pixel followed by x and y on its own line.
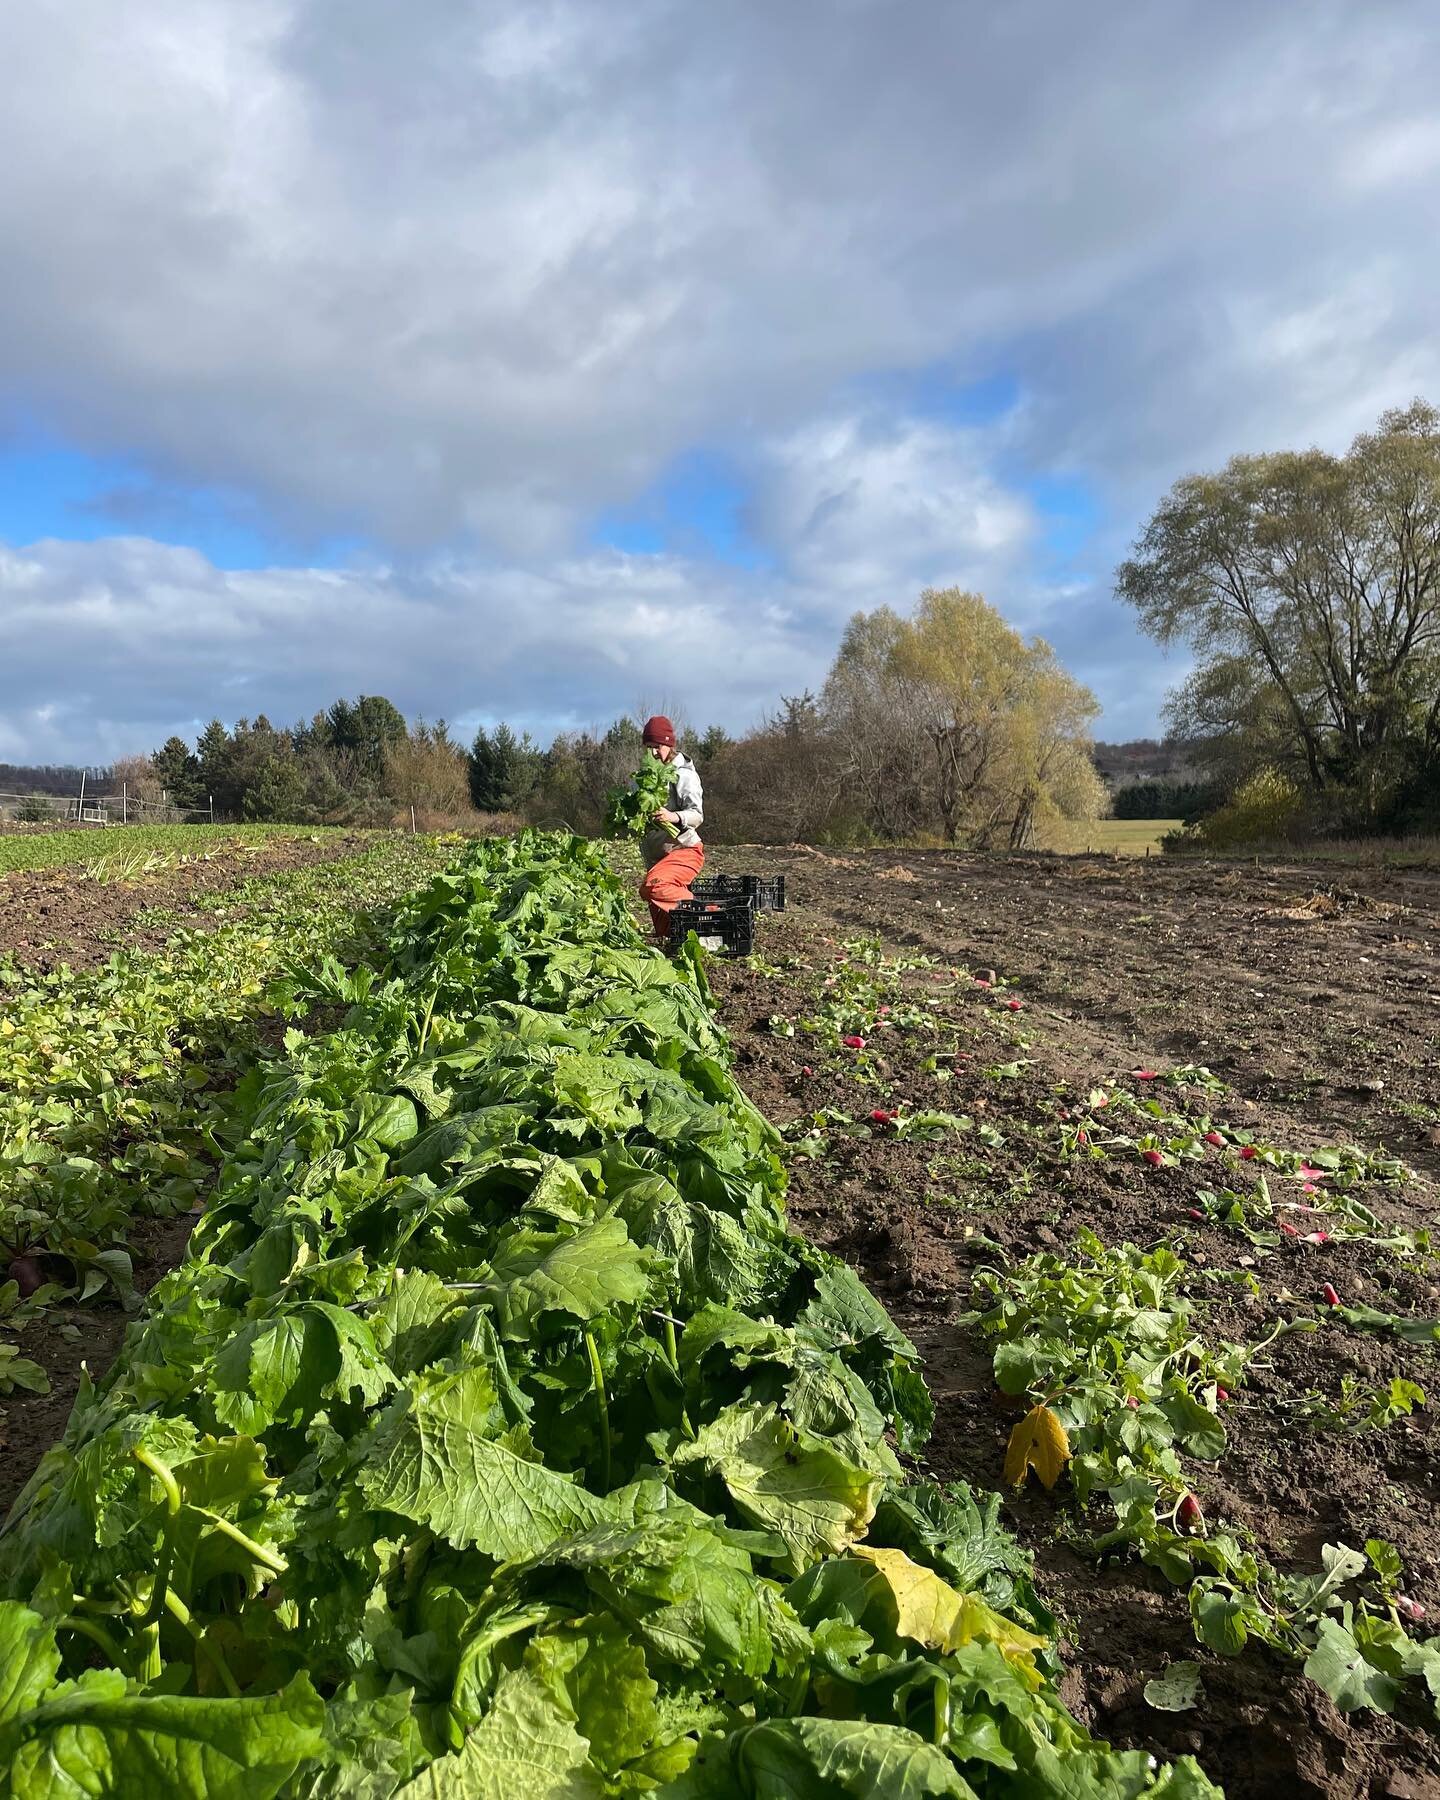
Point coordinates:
pixel 161 1584
pixel 267 1559
pixel 429 1014
pixel 97 1633
pixel 597 1378
pixel 180 1612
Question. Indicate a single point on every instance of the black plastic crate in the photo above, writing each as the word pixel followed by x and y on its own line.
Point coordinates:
pixel 766 893
pixel 724 925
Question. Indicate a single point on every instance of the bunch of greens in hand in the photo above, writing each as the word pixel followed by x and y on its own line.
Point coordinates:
pixel 630 812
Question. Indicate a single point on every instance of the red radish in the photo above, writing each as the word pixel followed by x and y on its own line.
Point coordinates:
pixel 1082 1137
pixel 1214 1137
pixel 1318 1237
pixel 1409 1609
pixel 1104 1100
pixel 1306 1173
pixel 1064 1113
pixel 853 1041
pixel 881 1117
pixel 1195 1213
pixel 981 982
pixel 26 1273
pixel 1131 1402
pixel 884 1011
pixel 1331 1297
pixel 1013 1005
pixel 1156 1157
pixel 1222 1393
pixel 1248 1152
pixel 1289 1229
pixel 807 1070
pixel 1190 1517
pixel 1145 1074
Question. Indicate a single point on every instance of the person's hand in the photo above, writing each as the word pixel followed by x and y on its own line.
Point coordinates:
pixel 666 818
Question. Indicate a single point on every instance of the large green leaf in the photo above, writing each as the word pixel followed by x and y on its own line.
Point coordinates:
pixel 441 1461
pixel 820 1759
pixel 29 1660
pixel 784 1481
pixel 579 1273
pixel 90 1738
pixel 525 1748
pixel 1338 1664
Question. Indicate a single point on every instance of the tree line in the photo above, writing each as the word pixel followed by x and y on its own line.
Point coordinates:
pixel 943 724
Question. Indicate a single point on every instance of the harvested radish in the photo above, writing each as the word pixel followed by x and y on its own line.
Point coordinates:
pixel 1195 1213
pixel 1222 1393
pixel 26 1273
pixel 881 1117
pixel 1145 1074
pixel 1289 1229
pixel 1331 1297
pixel 1248 1152
pixel 1409 1609
pixel 1190 1517
pixel 1013 1005
pixel 1317 1237
pixel 1155 1157
pixel 1214 1137
pixel 853 1042
pixel 1082 1137
pixel 807 1070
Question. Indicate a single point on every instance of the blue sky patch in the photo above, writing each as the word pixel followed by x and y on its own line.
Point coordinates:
pixel 696 509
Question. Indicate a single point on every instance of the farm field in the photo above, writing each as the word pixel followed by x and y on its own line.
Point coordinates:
pixel 1118 837
pixel 1289 1014
pixel 77 895
pixel 112 1065
pixel 1227 1074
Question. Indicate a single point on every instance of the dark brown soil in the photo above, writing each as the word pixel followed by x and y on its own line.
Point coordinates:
pixel 1316 1002
pixel 66 1339
pixel 50 916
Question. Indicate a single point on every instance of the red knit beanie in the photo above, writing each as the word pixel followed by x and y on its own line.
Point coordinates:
pixel 658 730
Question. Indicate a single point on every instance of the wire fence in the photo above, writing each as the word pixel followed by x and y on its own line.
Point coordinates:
pixel 93 807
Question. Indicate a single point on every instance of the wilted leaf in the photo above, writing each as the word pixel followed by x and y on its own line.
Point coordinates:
pixel 1177 1690
pixel 1339 1666
pixel 1038 1442
pixel 929 1611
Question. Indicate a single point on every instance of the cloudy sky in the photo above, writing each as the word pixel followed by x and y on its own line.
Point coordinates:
pixel 548 359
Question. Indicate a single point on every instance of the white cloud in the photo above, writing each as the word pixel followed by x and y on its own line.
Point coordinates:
pixel 874 506
pixel 462 275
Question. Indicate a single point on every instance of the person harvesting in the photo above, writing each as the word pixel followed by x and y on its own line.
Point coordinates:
pixel 671 845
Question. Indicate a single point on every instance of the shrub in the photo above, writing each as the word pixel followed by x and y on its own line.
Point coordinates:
pixel 1265 808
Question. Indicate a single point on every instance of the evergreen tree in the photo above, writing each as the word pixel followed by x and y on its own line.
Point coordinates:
pixel 178 772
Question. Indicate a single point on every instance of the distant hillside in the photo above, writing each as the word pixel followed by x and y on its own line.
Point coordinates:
pixel 48 778
pixel 1145 759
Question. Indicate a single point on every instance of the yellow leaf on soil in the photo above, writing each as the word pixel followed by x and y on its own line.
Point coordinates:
pixel 1038 1442
pixel 929 1611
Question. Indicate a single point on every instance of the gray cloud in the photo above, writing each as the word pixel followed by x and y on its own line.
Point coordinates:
pixel 461 276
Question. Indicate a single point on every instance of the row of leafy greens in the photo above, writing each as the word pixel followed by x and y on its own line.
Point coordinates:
pixel 496 1437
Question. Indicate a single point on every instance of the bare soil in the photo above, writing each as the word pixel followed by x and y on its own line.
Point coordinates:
pixel 61 915
pixel 1315 996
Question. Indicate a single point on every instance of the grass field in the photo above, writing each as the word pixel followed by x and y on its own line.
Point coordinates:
pixel 133 844
pixel 1119 837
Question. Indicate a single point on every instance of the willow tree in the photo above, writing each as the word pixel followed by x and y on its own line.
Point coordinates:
pixel 1307 587
pixel 952 720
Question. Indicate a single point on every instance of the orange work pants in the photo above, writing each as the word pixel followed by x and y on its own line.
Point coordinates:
pixel 668 883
